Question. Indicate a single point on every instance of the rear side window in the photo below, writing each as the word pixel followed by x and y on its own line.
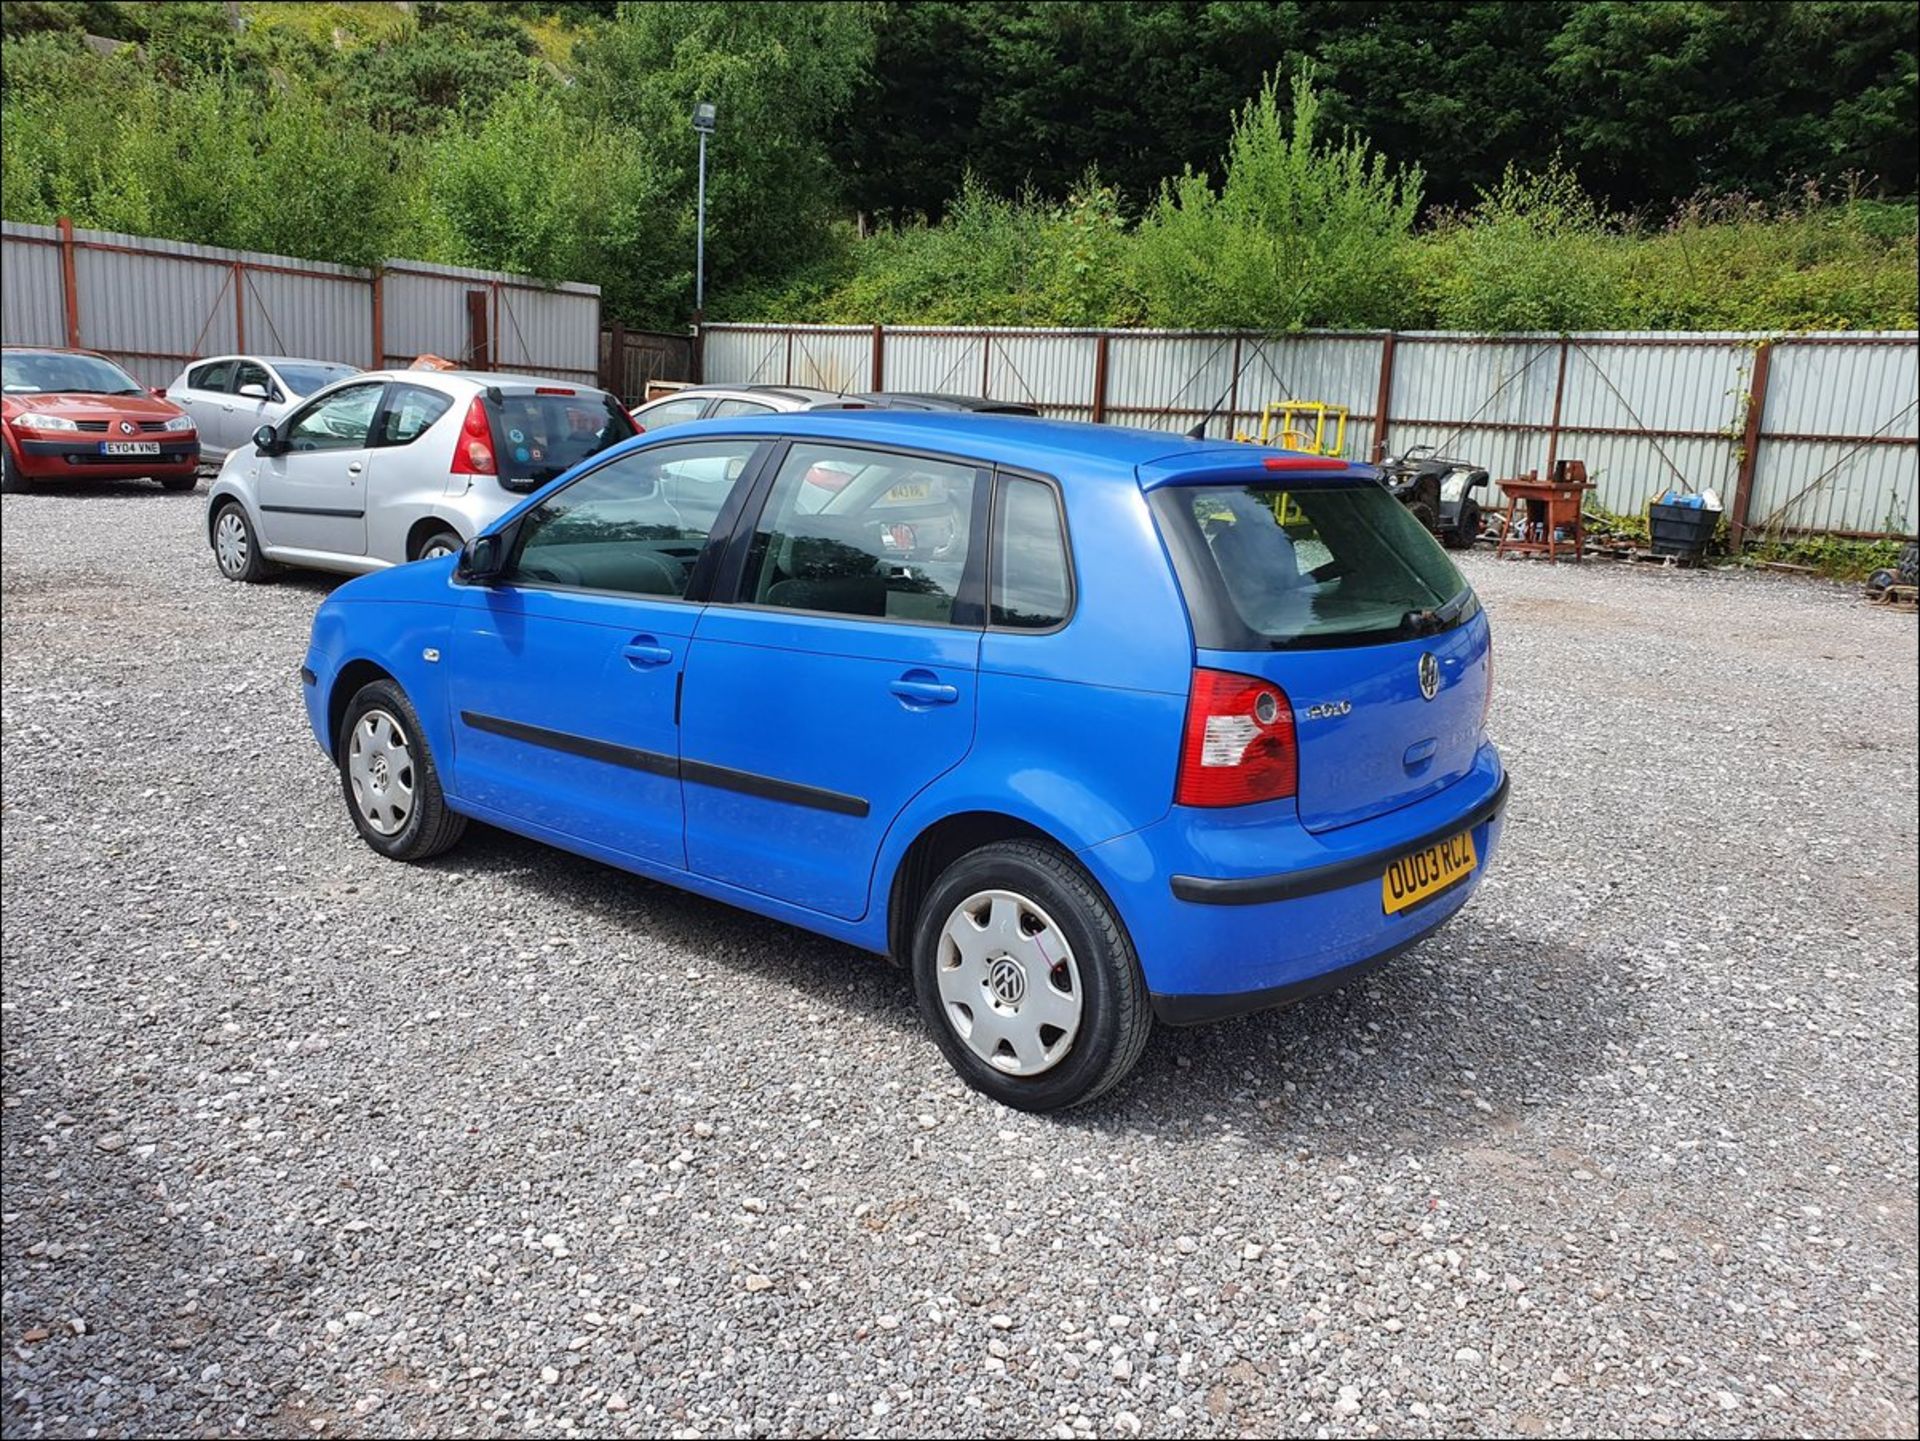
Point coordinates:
pixel 545 434
pixel 1031 585
pixel 723 408
pixel 866 533
pixel 410 410
pixel 1271 567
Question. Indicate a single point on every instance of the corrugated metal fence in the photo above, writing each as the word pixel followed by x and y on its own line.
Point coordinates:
pixel 1798 433
pixel 154 304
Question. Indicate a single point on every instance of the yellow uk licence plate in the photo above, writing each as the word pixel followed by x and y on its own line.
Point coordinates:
pixel 910 490
pixel 1411 879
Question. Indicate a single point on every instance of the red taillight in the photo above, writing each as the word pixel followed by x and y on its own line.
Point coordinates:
pixel 473 447
pixel 553 390
pixel 1239 744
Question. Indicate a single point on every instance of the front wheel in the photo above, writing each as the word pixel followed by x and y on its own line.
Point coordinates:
pixel 179 482
pixel 1027 979
pixel 1466 529
pixel 235 549
pixel 389 779
pixel 10 480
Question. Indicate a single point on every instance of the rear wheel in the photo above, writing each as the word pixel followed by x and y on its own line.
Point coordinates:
pixel 439 543
pixel 235 550
pixel 389 779
pixel 1027 979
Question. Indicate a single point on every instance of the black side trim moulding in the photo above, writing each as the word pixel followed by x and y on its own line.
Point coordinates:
pixel 1179 1010
pixel 1258 890
pixel 313 510
pixel 659 763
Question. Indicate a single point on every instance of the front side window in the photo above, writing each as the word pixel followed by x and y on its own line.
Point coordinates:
pixel 636 525
pixel 410 410
pixel 1032 589
pixel 247 372
pixel 339 421
pixel 1342 563
pixel 865 533
pixel 211 377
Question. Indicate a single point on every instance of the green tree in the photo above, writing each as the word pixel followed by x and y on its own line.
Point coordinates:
pixel 1303 231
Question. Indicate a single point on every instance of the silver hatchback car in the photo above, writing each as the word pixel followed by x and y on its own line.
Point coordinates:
pixel 392 466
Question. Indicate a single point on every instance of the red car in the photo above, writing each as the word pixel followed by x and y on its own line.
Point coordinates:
pixel 74 415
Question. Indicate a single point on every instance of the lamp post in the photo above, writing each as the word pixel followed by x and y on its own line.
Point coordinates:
pixel 703 122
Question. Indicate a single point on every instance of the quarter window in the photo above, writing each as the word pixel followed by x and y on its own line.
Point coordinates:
pixel 339 422
pixel 866 533
pixel 410 410
pixel 636 525
pixel 670 412
pixel 1031 585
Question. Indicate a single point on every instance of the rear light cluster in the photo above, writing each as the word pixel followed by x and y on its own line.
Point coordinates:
pixel 473 447
pixel 1239 744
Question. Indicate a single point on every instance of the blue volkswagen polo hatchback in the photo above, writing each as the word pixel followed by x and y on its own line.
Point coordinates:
pixel 1083 726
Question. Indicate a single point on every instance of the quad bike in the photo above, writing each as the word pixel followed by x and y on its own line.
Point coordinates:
pixel 1439 490
pixel 1896 586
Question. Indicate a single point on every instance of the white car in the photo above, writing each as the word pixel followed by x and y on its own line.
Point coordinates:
pixel 393 466
pixel 717 402
pixel 231 396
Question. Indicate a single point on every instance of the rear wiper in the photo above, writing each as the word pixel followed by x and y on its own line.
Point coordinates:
pixel 1429 622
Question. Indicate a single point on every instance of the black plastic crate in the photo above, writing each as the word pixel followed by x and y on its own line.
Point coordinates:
pixel 1681 529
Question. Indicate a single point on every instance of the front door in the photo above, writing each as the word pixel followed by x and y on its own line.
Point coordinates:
pixel 842 682
pixel 565 675
pixel 247 408
pixel 313 494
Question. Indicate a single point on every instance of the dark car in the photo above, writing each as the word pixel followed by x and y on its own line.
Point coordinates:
pixel 74 415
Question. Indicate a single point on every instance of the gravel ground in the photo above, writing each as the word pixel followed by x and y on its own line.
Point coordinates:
pixel 298 1141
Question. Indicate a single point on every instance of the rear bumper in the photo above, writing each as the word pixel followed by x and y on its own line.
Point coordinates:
pixel 82 460
pixel 1232 914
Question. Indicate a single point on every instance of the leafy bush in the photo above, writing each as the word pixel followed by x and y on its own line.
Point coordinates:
pixel 1302 232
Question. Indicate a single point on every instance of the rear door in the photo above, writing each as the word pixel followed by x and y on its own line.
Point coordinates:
pixel 313 494
pixel 565 676
pixel 205 397
pixel 841 679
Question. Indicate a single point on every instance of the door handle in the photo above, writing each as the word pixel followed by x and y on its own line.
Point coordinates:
pixel 644 651
pixel 919 688
pixel 355 468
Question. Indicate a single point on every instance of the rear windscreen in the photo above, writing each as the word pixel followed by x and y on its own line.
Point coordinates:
pixel 542 435
pixel 1268 567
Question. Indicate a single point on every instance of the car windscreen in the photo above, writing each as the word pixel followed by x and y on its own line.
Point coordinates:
pixel 26 372
pixel 305 378
pixel 546 432
pixel 1306 566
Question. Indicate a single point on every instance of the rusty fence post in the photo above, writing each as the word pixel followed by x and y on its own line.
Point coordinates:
pixel 1382 400
pixel 379 321
pixel 479 337
pixel 614 377
pixel 239 310
pixel 1559 394
pixel 69 285
pixel 877 359
pixel 1101 348
pixel 1750 444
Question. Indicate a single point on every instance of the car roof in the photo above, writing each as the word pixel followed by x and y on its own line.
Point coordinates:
pixel 1016 441
pixel 478 378
pixel 805 393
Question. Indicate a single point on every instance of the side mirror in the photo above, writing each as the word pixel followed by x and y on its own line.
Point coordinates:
pixel 482 560
pixel 266 440
pixel 258 392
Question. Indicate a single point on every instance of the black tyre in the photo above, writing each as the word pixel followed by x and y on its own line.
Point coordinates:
pixel 179 482
pixel 388 777
pixel 1027 980
pixel 1466 529
pixel 440 542
pixel 236 550
pixel 10 478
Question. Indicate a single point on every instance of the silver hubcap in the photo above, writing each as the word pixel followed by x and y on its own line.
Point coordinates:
pixel 435 549
pixel 380 770
pixel 230 542
pixel 1009 985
